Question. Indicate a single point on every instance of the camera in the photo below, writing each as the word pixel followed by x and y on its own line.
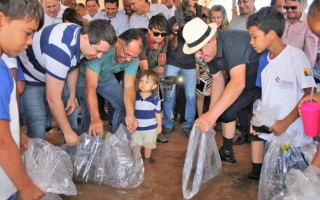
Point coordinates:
pixel 184 15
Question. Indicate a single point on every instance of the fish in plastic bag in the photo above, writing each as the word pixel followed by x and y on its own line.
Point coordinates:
pixel 280 157
pixel 202 160
pixel 49 167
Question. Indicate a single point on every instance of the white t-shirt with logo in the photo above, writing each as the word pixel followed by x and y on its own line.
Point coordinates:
pixel 282 81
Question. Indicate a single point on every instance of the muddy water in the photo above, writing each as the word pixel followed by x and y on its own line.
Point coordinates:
pixel 163 179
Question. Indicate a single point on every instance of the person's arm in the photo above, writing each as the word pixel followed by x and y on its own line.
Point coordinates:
pixel 159 122
pixel 72 79
pixel 311 47
pixel 96 124
pixel 143 65
pixel 54 89
pixel 222 97
pixel 161 62
pixel 173 38
pixel 129 102
pixel 316 160
pixel 11 163
pixel 281 125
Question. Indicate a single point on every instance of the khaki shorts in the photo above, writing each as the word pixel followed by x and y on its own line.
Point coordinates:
pixel 147 139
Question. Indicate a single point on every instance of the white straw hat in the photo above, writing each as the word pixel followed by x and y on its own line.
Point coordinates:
pixel 197 33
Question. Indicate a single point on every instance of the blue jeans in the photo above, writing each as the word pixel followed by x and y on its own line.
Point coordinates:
pixel 112 92
pixel 36 110
pixel 190 81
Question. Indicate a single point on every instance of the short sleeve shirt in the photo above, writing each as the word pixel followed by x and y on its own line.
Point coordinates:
pixel 106 66
pixel 233 49
pixel 119 22
pixel 142 21
pixel 9 112
pixel 178 58
pixel 152 54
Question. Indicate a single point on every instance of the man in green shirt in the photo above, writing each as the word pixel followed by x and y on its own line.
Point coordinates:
pixel 97 77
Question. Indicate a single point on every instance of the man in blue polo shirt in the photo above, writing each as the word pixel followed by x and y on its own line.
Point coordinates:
pixel 118 20
pixel 99 78
pixel 51 62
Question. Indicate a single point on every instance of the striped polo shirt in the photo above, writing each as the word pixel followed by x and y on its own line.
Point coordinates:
pixel 55 50
pixel 145 110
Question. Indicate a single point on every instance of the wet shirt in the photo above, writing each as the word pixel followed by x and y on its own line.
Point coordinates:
pixel 106 66
pixel 233 49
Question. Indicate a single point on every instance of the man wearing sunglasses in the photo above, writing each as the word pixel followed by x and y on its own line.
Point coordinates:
pixel 97 77
pixel 154 54
pixel 297 32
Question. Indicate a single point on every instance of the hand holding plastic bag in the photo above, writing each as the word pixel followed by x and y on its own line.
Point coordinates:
pixel 203 157
pixel 263 116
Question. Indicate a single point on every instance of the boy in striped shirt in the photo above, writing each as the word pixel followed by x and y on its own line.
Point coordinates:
pixel 148 113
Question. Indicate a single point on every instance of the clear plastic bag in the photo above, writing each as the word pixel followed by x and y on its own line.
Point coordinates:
pixel 302 186
pixel 309 150
pixel 264 116
pixel 49 167
pixel 109 160
pixel 280 157
pixel 203 159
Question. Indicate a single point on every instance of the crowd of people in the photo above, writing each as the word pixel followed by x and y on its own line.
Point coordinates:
pixel 64 55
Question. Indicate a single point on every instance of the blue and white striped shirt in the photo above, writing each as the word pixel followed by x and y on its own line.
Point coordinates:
pixel 55 50
pixel 145 110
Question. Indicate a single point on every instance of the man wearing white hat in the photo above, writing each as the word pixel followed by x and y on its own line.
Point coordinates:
pixel 233 64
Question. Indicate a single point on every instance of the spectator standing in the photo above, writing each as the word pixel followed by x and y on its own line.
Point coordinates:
pixel 143 11
pixel 70 3
pixel 81 9
pixel 170 5
pixel 93 7
pixel 246 8
pixel 118 20
pixel 297 32
pixel 53 11
pixel 126 9
pixel 279 4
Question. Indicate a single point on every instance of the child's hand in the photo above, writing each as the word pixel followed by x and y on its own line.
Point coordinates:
pixel 23 142
pixel 159 129
pixel 31 192
pixel 279 127
pixel 253 132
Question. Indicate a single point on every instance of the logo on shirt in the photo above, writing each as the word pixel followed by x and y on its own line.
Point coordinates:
pixel 307 72
pixel 277 79
pixel 284 84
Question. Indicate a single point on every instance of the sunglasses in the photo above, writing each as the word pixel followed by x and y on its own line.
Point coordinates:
pixel 290 7
pixel 156 34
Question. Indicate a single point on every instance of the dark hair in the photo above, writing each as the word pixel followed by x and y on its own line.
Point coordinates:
pixel 81 5
pixel 112 1
pixel 151 74
pixel 19 9
pixel 99 29
pixel 314 9
pixel 71 15
pixel 266 19
pixel 159 22
pixel 97 1
pixel 273 2
pixel 132 34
